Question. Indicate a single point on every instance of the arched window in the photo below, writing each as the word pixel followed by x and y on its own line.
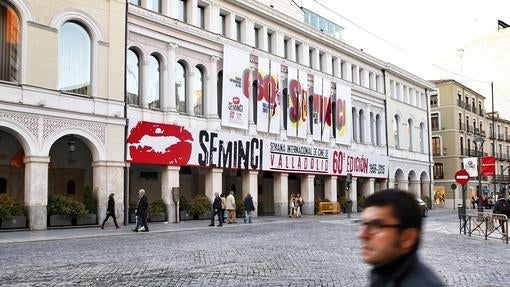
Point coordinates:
pixel 9 43
pixel 180 87
pixel 361 126
pixel 74 58
pixel 378 130
pixel 198 92
pixel 354 125
pixel 422 137
pixel 372 125
pixel 219 92
pixel 396 131
pixel 133 78
pixel 154 82
pixel 410 133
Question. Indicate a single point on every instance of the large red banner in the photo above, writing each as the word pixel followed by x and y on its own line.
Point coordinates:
pixel 488 166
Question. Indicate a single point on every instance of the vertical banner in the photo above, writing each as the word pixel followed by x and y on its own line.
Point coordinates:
pixel 343 123
pixel 294 90
pixel 317 104
pixel 303 105
pixel 236 87
pixel 471 165
pixel 274 98
pixel 488 166
pixel 263 81
pixel 326 109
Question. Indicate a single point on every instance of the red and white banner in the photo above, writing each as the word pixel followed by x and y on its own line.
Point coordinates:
pixel 326 110
pixel 294 90
pixel 275 98
pixel 169 144
pixel 316 116
pixel 302 128
pixel 488 166
pixel 236 88
pixel 343 120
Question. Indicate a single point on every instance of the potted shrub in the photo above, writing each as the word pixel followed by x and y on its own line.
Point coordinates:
pixel 184 209
pixel 157 210
pixel 200 206
pixel 90 202
pixel 12 213
pixel 64 211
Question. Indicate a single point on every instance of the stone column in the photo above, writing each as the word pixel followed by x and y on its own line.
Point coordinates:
pixel 315 60
pixel 336 68
pixel 145 84
pixel 191 12
pixel 211 93
pixel 353 194
pixel 263 41
pixel 330 187
pixel 213 182
pixel 414 187
pixel 169 180
pixel 230 26
pixel 250 184
pixel 212 18
pixel 247 34
pixel 190 75
pixel 305 55
pixel 278 42
pixel 165 7
pixel 36 191
pixel 308 194
pixel 403 185
pixel 108 177
pixel 174 9
pixel 370 186
pixel 169 80
pixel 291 49
pixel 281 194
pixel 391 183
pixel 347 71
pixel 364 81
pixel 355 74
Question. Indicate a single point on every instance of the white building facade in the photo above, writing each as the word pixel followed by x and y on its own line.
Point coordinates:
pixel 243 93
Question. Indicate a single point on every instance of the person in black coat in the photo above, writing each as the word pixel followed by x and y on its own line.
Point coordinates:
pixel 110 211
pixel 141 212
pixel 217 211
pixel 248 208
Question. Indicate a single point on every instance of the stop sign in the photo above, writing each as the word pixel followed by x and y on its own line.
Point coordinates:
pixel 462 176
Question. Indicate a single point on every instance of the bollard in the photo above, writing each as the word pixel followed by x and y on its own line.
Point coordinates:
pixel 349 208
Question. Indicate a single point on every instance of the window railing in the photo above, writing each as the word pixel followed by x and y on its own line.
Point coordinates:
pixel 460 103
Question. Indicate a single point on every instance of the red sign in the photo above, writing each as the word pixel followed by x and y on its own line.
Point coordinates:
pixel 488 166
pixel 462 176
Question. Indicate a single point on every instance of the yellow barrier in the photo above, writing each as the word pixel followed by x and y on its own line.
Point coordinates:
pixel 329 207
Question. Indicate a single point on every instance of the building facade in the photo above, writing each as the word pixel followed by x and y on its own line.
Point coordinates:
pixel 298 107
pixel 461 128
pixel 207 95
pixel 61 112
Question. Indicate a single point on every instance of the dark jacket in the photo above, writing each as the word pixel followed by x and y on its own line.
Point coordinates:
pixel 217 203
pixel 143 206
pixel 407 271
pixel 248 203
pixel 111 206
pixel 499 207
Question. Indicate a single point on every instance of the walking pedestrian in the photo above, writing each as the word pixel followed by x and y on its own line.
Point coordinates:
pixel 502 207
pixel 110 211
pixel 141 212
pixel 390 232
pixel 292 205
pixel 248 208
pixel 231 205
pixel 223 208
pixel 299 204
pixel 216 210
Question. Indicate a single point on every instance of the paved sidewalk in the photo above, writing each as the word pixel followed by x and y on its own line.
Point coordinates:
pixel 156 227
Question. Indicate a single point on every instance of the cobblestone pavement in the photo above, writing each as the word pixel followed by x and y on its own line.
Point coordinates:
pixel 312 251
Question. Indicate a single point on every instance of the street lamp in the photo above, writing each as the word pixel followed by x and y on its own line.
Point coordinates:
pixel 479 140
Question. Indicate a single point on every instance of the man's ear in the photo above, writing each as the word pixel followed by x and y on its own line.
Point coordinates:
pixel 409 237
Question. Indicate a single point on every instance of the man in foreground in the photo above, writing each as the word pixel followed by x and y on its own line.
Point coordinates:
pixel 390 236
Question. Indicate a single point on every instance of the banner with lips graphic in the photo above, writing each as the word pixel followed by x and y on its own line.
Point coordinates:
pixel 168 144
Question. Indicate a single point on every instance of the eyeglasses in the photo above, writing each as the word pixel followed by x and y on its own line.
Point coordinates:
pixel 376 226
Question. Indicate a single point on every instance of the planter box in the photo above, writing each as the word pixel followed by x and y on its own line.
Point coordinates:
pixel 158 217
pixel 18 221
pixel 183 215
pixel 87 219
pixel 59 220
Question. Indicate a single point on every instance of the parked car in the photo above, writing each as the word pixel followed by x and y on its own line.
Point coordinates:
pixel 423 207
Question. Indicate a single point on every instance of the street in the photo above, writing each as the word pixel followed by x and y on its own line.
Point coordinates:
pixel 273 251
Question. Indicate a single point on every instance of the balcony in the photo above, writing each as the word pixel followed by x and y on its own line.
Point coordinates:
pixel 477 131
pixel 482 133
pixel 460 103
pixel 462 127
pixel 482 113
pixel 501 137
pixel 474 110
pixel 469 129
pixel 501 178
pixel 491 136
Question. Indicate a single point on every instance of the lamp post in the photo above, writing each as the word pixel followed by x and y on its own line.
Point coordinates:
pixel 479 140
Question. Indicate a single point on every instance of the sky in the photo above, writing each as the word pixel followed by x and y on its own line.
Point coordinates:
pixel 426 38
